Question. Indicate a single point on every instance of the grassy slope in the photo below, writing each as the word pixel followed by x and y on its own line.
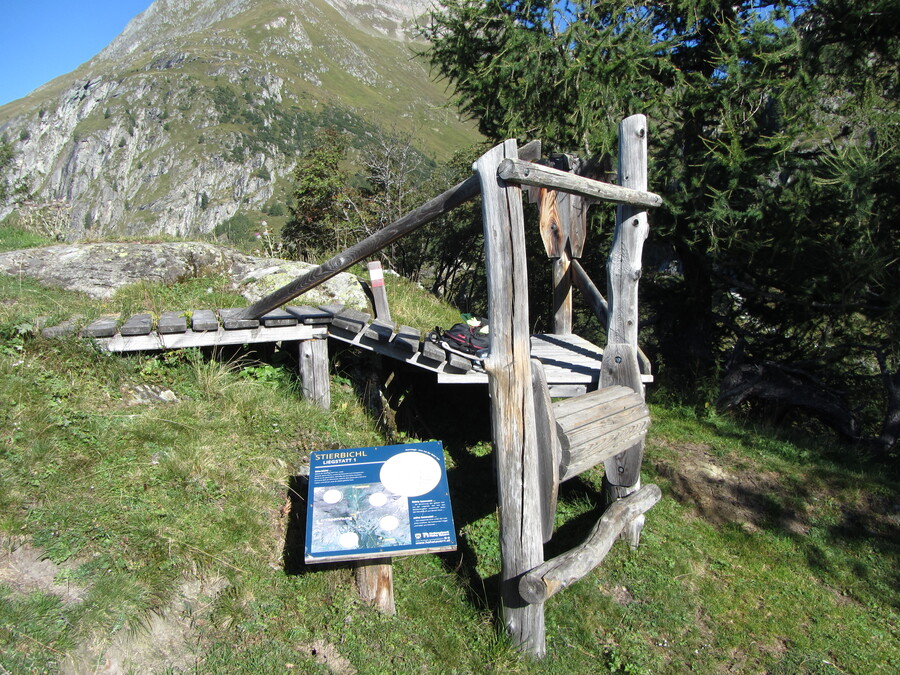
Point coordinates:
pixel 764 555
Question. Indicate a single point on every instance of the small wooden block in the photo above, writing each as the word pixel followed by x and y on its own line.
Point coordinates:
pixel 351 320
pixel 204 320
pixel 67 327
pixel 458 363
pixel 139 324
pixel 333 308
pixel 310 316
pixel 232 319
pixel 278 317
pixel 103 327
pixel 407 340
pixel 380 331
pixel 433 352
pixel 172 322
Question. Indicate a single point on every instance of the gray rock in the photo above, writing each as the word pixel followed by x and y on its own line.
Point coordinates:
pixel 100 269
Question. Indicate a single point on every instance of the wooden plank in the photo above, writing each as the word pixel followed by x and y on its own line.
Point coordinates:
pixel 102 327
pixel 309 315
pixel 585 409
pixel 171 322
pixel 512 402
pixel 429 211
pixel 458 363
pixel 315 381
pixel 217 338
pixel 233 319
pixel 407 340
pixel 596 449
pixel 379 293
pixel 139 324
pixel 379 331
pixel 549 455
pixel 203 320
pixel 67 327
pixel 350 320
pixel 548 579
pixel 278 317
pixel 432 352
pixel 528 173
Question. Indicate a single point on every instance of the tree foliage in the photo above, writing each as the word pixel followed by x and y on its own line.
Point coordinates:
pixel 770 268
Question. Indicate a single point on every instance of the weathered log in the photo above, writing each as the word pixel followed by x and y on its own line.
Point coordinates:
pixel 548 449
pixel 512 402
pixel 538 175
pixel 375 582
pixel 548 579
pixel 429 211
pixel 620 361
pixel 591 293
pixel 315 381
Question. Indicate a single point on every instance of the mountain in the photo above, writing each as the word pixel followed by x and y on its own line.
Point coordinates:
pixel 199 109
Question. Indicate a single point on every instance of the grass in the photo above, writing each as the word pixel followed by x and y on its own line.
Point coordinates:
pixel 179 524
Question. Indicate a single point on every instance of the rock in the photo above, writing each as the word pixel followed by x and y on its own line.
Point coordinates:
pixel 100 269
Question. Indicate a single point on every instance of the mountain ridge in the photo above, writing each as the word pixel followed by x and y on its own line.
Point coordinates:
pixel 199 108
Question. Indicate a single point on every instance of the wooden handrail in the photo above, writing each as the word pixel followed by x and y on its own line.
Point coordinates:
pixel 429 211
pixel 538 175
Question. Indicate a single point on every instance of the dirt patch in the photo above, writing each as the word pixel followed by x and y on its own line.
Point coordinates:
pixel 327 655
pixel 25 569
pixel 166 641
pixel 751 498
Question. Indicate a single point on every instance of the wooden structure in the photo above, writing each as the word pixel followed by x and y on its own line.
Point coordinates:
pixel 538 443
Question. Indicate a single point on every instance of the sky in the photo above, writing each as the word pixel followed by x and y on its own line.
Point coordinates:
pixel 43 39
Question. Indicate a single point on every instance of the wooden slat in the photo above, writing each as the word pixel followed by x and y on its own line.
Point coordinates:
pixel 585 409
pixel 310 315
pixel 407 340
pixel 233 319
pixel 171 322
pixel 103 327
pixel 278 317
pixel 221 337
pixel 139 324
pixel 350 320
pixel 204 320
pixel 379 331
pixel 549 450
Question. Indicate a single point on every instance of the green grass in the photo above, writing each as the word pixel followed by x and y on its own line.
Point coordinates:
pixel 766 554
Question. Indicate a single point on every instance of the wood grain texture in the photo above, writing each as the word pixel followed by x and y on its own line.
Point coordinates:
pixel 548 579
pixel 538 175
pixel 512 401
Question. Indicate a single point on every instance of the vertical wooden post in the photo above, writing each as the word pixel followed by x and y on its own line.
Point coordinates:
pixel 375 581
pixel 314 377
pixel 376 282
pixel 512 402
pixel 620 363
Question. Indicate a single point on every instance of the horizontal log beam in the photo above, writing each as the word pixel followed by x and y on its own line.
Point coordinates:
pixel 429 211
pixel 549 578
pixel 537 175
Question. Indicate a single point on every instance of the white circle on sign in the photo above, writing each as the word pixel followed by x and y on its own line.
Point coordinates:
pixel 389 523
pixel 411 474
pixel 332 496
pixel 378 499
pixel 349 540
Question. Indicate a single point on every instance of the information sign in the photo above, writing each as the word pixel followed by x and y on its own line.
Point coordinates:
pixel 377 502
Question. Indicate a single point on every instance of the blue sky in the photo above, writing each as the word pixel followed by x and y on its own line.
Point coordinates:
pixel 43 39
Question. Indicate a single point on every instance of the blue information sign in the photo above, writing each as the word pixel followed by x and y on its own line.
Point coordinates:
pixel 376 502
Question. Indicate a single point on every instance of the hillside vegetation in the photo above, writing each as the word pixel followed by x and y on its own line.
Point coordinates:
pixel 152 514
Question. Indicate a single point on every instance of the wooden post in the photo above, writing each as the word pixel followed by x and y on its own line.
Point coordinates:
pixel 512 402
pixel 620 361
pixel 375 582
pixel 376 281
pixel 315 381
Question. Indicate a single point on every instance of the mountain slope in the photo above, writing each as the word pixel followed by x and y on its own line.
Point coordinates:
pixel 200 107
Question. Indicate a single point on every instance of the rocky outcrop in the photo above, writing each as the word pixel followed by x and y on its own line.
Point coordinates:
pixel 199 109
pixel 100 269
